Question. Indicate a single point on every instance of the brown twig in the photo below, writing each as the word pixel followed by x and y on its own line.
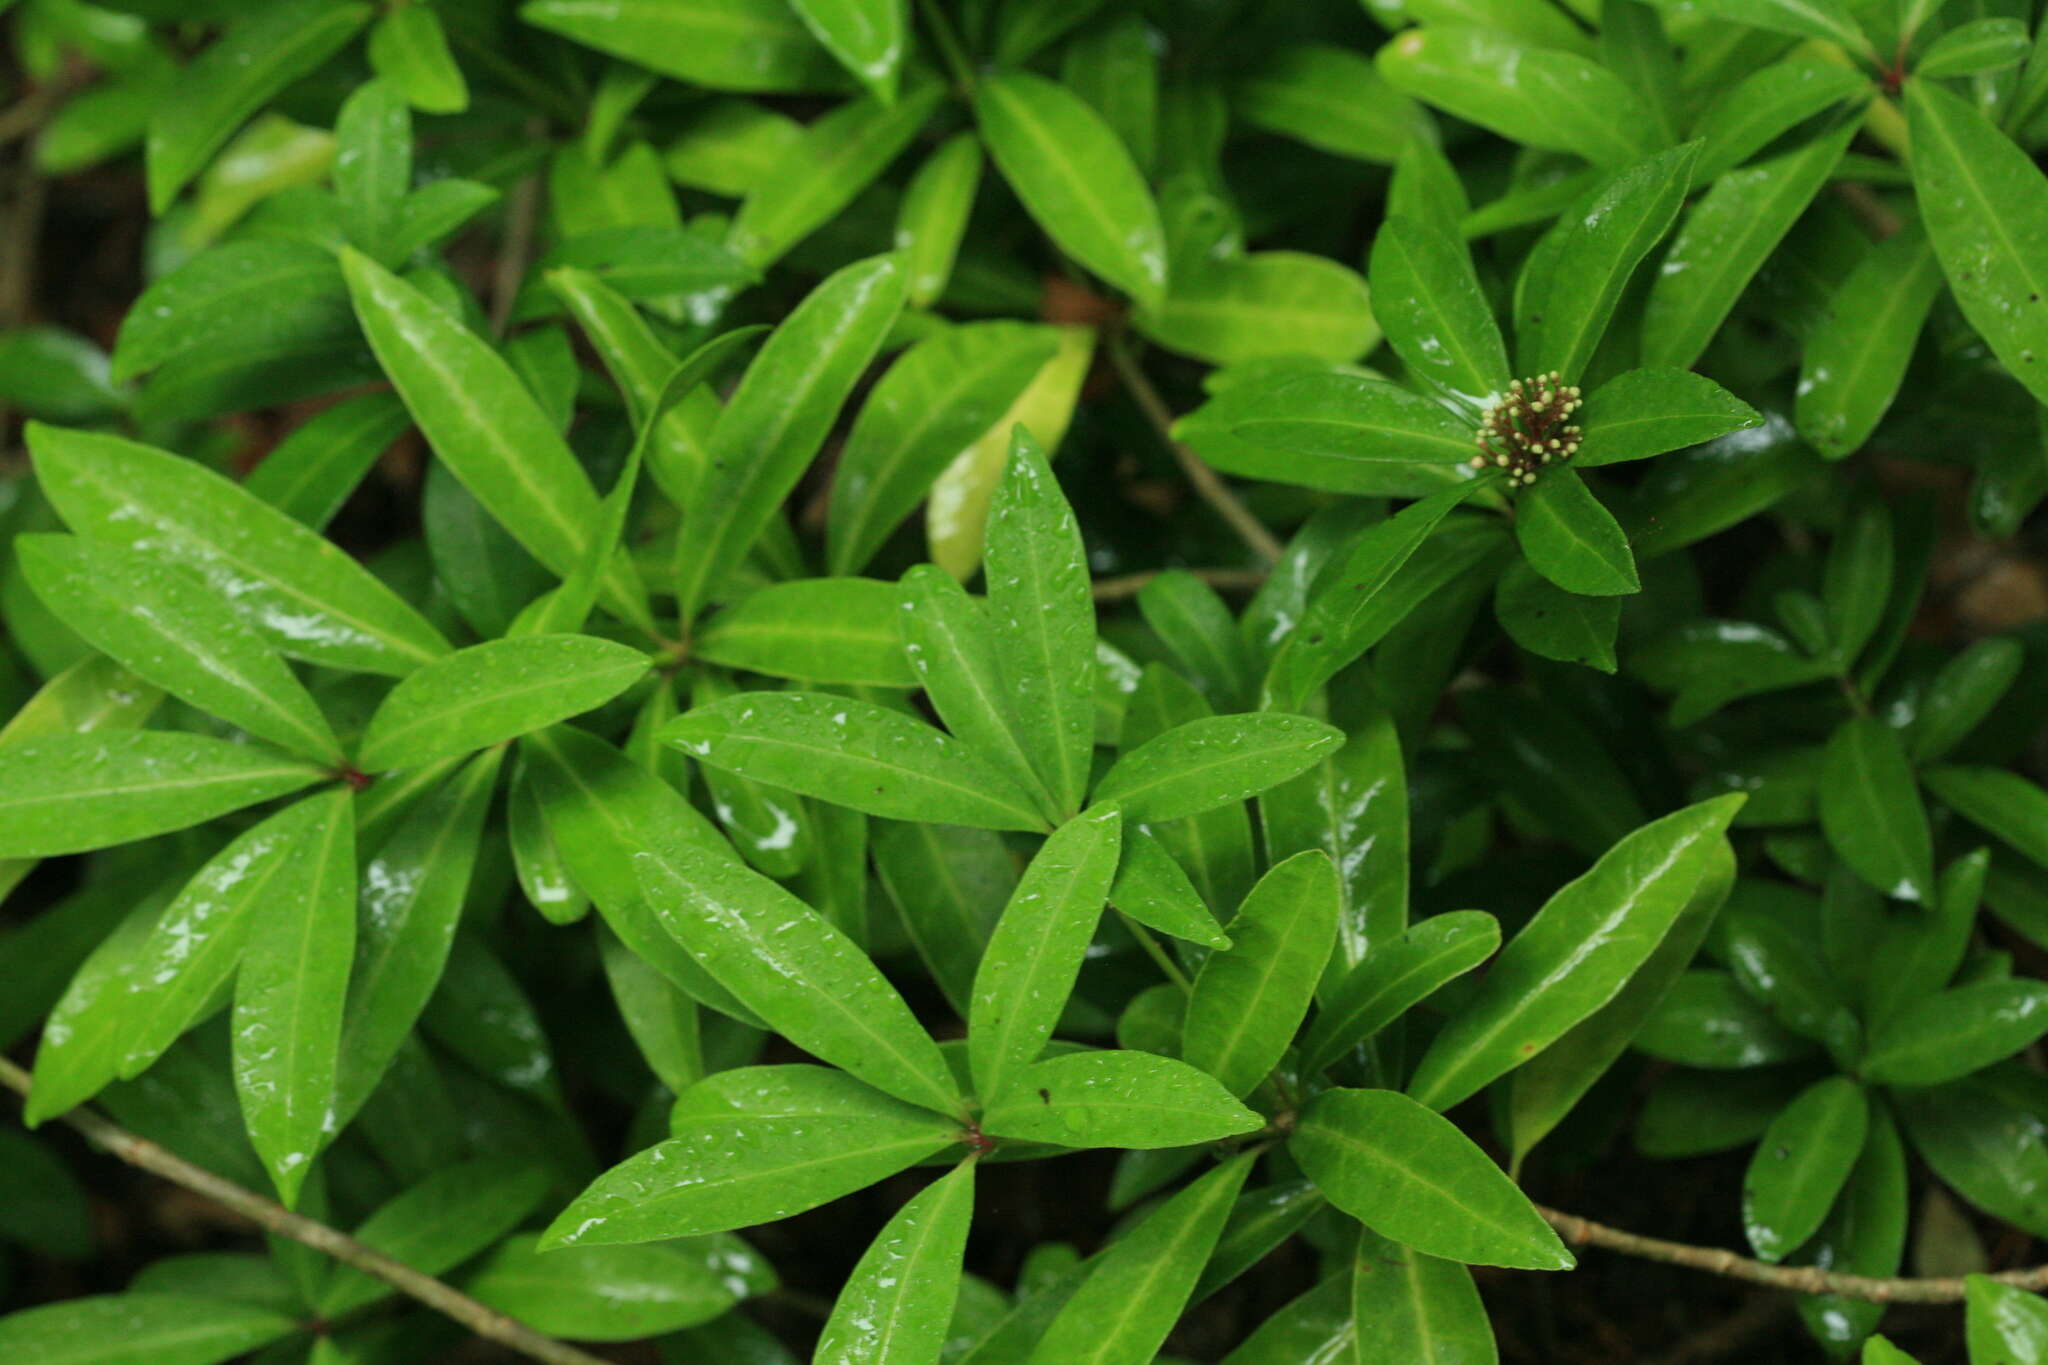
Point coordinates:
pixel 1875 213
pixel 273 1217
pixel 1208 486
pixel 1798 1279
pixel 1128 585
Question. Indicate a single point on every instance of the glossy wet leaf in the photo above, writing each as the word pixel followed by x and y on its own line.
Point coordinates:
pixel 1975 47
pixel 1724 240
pixel 410 47
pixel 599 1293
pixel 723 44
pixel 1856 359
pixel 2004 803
pixel 1409 1174
pixel 855 753
pixel 1823 19
pixel 1155 890
pixel 1116 1099
pixel 1537 95
pixel 1248 1001
pixel 1800 1165
pixel 1647 412
pixel 1596 252
pixel 1961 694
pixel 935 400
pixel 787 400
pixel 70 793
pixel 493 692
pixel 484 424
pixel 1319 425
pixel 1394 976
pixel 289 988
pixel 301 592
pixel 1545 619
pixel 2003 1322
pixel 1872 812
pixel 410 900
pixel 1948 1035
pixel 1332 98
pixel 1572 539
pixel 1121 1313
pixel 1576 954
pixel 1030 964
pixel 1264 304
pixel 139 1328
pixel 234 77
pixel 1764 105
pixel 1407 1302
pixel 932 219
pixel 439 1223
pixel 831 630
pixel 1213 762
pixel 750 1146
pixel 1076 179
pixel 1436 318
pixel 796 970
pixel 897 1305
pixel 162 622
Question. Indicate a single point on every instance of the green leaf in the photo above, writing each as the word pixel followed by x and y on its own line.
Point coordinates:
pixel 1801 1164
pixel 160 620
pixel 1214 761
pixel 1545 619
pixel 855 753
pixel 1855 360
pixel 1857 582
pixel 1878 1351
pixel 1263 305
pixel 1970 49
pixel 251 303
pixel 896 1308
pixel 485 425
pixel 1410 1175
pixel 1536 95
pixel 786 402
pixel 1332 98
pixel 310 473
pixel 262 53
pixel 1824 19
pixel 1196 626
pixel 1327 423
pixel 1980 1140
pixel 1725 239
pixel 646 261
pixel 663 1020
pixel 195 946
pixel 752 1145
pixel 1962 694
pixel 599 1293
pixel 934 401
pixel 1572 539
pixel 493 692
pixel 1576 954
pixel 1948 1035
pixel 1763 106
pixel 1553 765
pixel 1437 319
pixel 438 1223
pixel 949 885
pixel 1395 976
pixel 1865 1234
pixel 1134 1292
pixel 1155 890
pixel 71 793
pixel 822 171
pixel 1042 620
pixel 2004 1323
pixel 1708 1020
pixel 1993 799
pixel 372 163
pixel 1596 252
pixel 139 1329
pixel 289 989
pixel 932 218
pixel 1076 179
pixel 1545 1090
pixel 796 970
pixel 1648 412
pixel 865 35
pixel 830 630
pixel 1248 1001
pixel 722 44
pixel 408 46
pixel 1115 1099
pixel 1029 967
pixel 1408 1304
pixel 305 596
pixel 413 888
pixel 1871 810
pixel 1350 608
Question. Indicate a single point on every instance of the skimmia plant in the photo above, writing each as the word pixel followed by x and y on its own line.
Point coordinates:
pixel 833 680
